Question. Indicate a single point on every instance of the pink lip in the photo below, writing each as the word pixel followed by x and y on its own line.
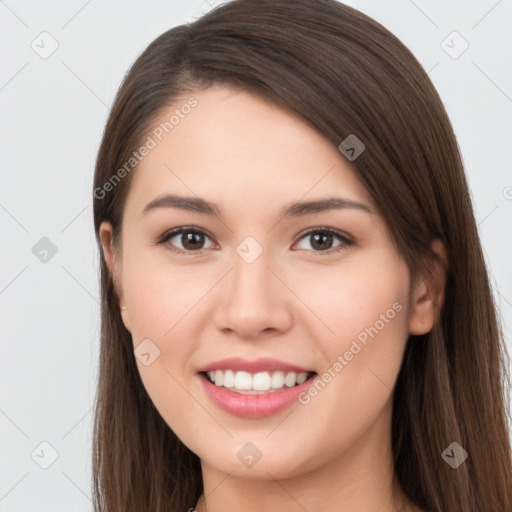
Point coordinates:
pixel 252 406
pixel 259 365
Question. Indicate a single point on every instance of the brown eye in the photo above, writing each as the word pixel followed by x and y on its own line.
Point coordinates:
pixel 322 240
pixel 191 240
pixel 185 240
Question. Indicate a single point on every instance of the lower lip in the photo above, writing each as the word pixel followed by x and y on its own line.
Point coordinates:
pixel 253 406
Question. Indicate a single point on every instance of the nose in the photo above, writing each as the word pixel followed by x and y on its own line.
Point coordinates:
pixel 252 300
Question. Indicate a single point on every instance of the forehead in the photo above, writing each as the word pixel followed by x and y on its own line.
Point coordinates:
pixel 237 149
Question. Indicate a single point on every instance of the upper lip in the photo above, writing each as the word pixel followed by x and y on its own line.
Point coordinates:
pixel 255 366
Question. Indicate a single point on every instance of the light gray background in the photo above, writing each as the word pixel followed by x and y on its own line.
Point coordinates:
pixel 53 111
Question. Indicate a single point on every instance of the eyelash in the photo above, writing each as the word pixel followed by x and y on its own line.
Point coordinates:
pixel 346 242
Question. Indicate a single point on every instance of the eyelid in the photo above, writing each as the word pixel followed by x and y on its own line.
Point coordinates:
pixel 176 231
pixel 341 234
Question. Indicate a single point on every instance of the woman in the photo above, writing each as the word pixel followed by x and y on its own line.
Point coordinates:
pixel 296 312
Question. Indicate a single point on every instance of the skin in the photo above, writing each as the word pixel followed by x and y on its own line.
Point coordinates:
pixel 295 302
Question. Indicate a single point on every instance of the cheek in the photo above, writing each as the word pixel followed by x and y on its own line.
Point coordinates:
pixel 353 298
pixel 160 295
pixel 161 303
pixel 160 299
pixel 364 306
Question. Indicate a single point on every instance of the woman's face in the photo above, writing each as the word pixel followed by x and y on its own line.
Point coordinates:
pixel 252 283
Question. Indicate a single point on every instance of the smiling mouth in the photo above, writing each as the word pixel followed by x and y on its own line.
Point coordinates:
pixel 256 383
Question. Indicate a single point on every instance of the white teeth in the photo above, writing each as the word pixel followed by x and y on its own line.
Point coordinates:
pixel 302 377
pixel 243 380
pixel 229 379
pixel 277 380
pixel 262 381
pixel 290 379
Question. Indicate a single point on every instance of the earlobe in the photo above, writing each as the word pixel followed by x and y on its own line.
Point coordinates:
pixel 126 318
pixel 428 293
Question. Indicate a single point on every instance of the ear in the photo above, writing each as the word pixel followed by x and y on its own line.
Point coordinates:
pixel 428 293
pixel 112 260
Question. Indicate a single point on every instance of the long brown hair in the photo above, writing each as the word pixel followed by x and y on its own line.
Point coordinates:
pixel 345 74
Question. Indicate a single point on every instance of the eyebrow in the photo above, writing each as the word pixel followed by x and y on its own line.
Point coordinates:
pixel 297 209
